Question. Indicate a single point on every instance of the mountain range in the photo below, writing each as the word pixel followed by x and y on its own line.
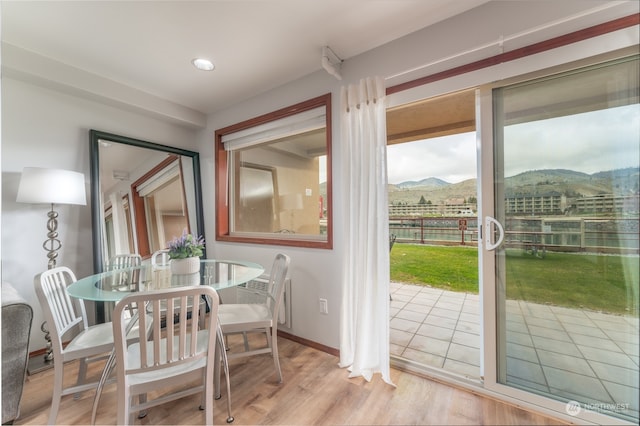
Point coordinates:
pixel 571 183
pixel 431 182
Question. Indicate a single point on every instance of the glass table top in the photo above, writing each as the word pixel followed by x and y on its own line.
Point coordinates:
pixel 111 286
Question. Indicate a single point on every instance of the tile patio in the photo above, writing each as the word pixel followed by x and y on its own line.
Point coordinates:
pixel 590 357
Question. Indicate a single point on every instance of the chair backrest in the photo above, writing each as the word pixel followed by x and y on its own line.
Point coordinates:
pixel 160 259
pixel 189 340
pixel 254 291
pixel 277 276
pixel 120 261
pixel 62 313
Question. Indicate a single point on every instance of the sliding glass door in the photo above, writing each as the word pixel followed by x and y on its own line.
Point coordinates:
pixel 565 237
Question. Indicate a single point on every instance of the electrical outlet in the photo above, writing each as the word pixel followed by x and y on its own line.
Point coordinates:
pixel 323 306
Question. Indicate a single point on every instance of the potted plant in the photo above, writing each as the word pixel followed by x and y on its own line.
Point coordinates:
pixel 185 252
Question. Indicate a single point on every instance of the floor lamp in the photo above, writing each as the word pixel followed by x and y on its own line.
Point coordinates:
pixel 50 186
pixel 290 203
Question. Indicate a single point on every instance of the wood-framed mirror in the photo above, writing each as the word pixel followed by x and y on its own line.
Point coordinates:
pixel 142 195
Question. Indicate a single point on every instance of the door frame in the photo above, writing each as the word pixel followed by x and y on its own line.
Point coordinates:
pixel 485 127
pixel 550 62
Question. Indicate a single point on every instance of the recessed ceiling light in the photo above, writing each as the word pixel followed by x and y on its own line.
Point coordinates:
pixel 203 64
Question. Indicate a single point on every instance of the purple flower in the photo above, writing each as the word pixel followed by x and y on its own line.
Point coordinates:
pixel 187 245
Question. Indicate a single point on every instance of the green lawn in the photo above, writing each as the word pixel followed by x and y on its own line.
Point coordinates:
pixel 450 268
pixel 601 283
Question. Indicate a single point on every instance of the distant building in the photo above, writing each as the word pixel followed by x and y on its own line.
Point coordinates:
pixel 551 203
pixel 555 203
pixel 607 203
pixel 422 210
pixel 541 204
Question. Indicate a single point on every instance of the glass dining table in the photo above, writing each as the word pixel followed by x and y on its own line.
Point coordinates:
pixel 112 286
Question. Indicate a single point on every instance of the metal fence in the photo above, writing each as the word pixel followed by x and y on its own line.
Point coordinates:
pixel 569 234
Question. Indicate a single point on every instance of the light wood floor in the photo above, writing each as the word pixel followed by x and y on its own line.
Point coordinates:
pixel 315 391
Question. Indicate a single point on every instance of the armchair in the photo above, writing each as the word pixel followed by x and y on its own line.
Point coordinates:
pixel 17 316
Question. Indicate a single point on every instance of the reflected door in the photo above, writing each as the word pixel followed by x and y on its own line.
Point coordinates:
pixel 566 159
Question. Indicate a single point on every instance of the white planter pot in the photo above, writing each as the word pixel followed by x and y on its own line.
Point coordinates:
pixel 190 265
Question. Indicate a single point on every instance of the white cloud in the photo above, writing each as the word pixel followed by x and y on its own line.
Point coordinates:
pixel 450 158
pixel 589 142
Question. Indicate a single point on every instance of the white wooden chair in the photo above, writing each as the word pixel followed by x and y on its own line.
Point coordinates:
pixel 67 321
pixel 182 353
pixel 258 317
pixel 120 261
pixel 160 259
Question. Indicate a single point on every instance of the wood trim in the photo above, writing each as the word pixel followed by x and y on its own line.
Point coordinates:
pixel 138 205
pixel 310 343
pixel 301 340
pixel 141 224
pixel 221 195
pixel 543 46
pixel 275 115
pixel 37 352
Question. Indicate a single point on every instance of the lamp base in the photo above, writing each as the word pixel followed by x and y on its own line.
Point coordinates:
pixel 52 244
pixel 37 364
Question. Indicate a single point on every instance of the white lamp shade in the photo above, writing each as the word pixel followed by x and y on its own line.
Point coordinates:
pixel 51 186
pixel 291 202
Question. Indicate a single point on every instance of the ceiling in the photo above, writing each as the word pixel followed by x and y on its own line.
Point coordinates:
pixel 444 115
pixel 256 45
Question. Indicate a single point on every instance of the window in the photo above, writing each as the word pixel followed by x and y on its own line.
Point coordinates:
pixel 274 177
pixel 160 206
pixel 123 212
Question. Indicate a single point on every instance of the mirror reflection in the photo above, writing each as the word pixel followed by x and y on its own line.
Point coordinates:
pixel 277 177
pixel 144 195
pixel 278 186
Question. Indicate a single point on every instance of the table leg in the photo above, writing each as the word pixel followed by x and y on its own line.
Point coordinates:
pixel 108 368
pixel 225 364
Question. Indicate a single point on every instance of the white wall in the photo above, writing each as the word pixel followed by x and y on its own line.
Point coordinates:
pixel 43 127
pixel 46 128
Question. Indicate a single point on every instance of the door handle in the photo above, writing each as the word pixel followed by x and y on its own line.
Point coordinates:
pixel 488 220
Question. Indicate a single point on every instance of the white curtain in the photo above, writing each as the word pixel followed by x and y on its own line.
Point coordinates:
pixel 121 234
pixel 364 325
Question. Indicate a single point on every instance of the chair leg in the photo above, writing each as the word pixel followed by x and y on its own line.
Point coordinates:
pixel 205 405
pixel 106 372
pixel 246 341
pixel 216 367
pixel 57 391
pixel 124 407
pixel 222 352
pixel 267 336
pixel 142 398
pixel 225 364
pixel 206 402
pixel 82 376
pixel 274 352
